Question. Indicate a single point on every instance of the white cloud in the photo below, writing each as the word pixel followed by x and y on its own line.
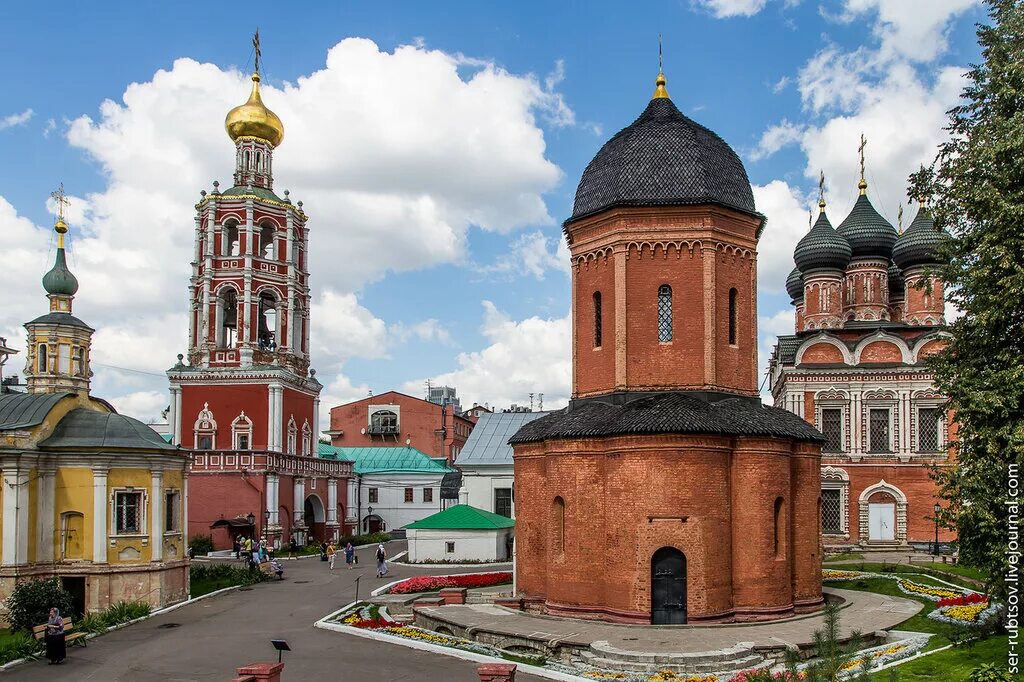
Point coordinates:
pixel 12 120
pixel 786 211
pixel 144 405
pixel 531 254
pixel 781 84
pixel 911 30
pixel 427 331
pixel 529 356
pixel 51 125
pixel 775 138
pixel 722 9
pixel 387 187
pixel 769 328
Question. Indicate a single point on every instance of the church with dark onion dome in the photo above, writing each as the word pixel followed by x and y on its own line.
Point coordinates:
pixel 89 496
pixel 666 492
pixel 868 313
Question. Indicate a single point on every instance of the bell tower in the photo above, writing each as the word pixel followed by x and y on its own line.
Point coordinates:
pixel 247 364
pixel 58 342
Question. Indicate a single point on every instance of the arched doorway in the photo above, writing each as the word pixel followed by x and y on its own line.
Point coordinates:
pixel 668 587
pixel 372 523
pixel 314 517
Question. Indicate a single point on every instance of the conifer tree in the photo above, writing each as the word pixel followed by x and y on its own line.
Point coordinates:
pixel 980 202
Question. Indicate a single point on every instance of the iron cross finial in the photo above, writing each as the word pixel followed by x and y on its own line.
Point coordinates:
pixel 899 217
pixel 62 200
pixel 659 52
pixel 821 190
pixel 860 150
pixel 256 48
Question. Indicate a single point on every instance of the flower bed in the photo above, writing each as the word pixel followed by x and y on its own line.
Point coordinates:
pixel 886 653
pixel 831 574
pixel 432 583
pixel 927 591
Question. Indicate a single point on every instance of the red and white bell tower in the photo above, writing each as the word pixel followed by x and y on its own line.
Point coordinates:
pixel 248 352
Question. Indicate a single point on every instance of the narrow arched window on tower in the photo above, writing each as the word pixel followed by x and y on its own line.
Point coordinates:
pixel 780 528
pixel 558 525
pixel 597 319
pixel 259 161
pixel 732 317
pixel 41 359
pixel 247 161
pixel 664 313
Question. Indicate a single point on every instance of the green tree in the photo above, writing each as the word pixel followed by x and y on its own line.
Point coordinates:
pixel 30 602
pixel 980 202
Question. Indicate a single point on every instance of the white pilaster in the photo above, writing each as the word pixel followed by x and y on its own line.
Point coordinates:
pixel 99 515
pixel 177 416
pixel 273 487
pixel 316 424
pixel 299 501
pixel 15 521
pixel 350 507
pixel 271 417
pixel 332 501
pixel 156 516
pixel 45 521
pixel 278 416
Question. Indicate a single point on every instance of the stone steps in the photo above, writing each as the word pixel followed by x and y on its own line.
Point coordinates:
pixel 742 656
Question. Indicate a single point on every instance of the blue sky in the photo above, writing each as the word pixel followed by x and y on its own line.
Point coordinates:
pixel 437 175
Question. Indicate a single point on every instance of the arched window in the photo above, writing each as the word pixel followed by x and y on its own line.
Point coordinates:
pixel 247 160
pixel 780 527
pixel 42 360
pixel 558 525
pixel 383 422
pixel 266 336
pixel 732 317
pixel 293 435
pixel 230 246
pixel 664 313
pixel 307 439
pixel 78 361
pixel 267 241
pixel 241 432
pixel 205 429
pixel 228 314
pixel 259 161
pixel 597 319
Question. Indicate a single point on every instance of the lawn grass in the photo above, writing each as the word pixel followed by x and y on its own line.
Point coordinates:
pixel 958 569
pixel 870 567
pixel 952 665
pixel 843 556
pixel 919 622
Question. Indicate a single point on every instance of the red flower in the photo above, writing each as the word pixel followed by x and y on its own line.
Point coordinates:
pixel 964 600
pixel 432 583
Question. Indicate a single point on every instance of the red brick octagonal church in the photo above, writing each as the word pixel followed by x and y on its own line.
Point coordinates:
pixel 666 492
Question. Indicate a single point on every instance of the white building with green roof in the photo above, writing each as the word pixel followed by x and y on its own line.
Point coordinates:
pixel 391 486
pixel 461 533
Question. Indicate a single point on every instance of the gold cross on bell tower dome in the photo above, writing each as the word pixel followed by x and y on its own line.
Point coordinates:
pixel 660 92
pixel 60 227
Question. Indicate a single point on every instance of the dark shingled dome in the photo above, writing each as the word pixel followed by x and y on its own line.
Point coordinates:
pixel 868 233
pixel 897 285
pixel 663 158
pixel 822 248
pixel 918 245
pixel 668 412
pixel 795 284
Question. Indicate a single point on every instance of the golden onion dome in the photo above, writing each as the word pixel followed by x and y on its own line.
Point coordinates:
pixel 254 119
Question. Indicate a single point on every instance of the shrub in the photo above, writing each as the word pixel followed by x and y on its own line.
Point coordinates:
pixel 20 646
pixel 371 539
pixel 121 612
pixel 228 572
pixel 30 602
pixel 200 544
pixel 990 672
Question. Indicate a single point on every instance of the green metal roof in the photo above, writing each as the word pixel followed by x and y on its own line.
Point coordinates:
pixel 383 460
pixel 258 191
pixel 84 428
pixel 22 410
pixel 463 517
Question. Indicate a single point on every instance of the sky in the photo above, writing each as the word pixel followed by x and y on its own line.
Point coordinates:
pixel 437 148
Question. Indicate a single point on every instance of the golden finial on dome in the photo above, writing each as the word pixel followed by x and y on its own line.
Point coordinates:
pixel 821 191
pixel 254 119
pixel 659 83
pixel 60 227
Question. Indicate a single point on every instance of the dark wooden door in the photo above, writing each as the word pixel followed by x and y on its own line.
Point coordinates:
pixel 668 587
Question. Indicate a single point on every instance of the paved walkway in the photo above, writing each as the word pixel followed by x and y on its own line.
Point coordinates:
pixel 216 635
pixel 866 612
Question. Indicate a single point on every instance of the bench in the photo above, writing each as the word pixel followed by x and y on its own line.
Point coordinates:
pixel 268 568
pixel 70 638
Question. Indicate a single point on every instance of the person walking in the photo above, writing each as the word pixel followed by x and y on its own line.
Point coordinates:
pixel 382 566
pixel 236 547
pixel 293 547
pixel 56 646
pixel 350 554
pixel 331 552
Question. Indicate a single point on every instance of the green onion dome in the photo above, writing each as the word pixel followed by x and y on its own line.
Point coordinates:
pixel 868 233
pixel 59 280
pixel 920 243
pixel 822 248
pixel 897 285
pixel 795 285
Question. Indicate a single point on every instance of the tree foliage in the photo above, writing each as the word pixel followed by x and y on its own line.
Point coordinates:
pixel 980 202
pixel 30 602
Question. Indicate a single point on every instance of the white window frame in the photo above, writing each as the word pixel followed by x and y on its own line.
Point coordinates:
pixel 833 478
pixel 172 515
pixel 843 407
pixel 143 516
pixel 205 425
pixel 241 426
pixel 293 435
pixel 891 408
pixel 940 437
pixel 307 439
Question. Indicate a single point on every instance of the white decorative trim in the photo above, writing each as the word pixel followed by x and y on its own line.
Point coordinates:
pixel 905 352
pixel 824 338
pixel 900 534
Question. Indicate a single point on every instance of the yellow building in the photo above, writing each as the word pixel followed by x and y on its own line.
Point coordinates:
pixel 90 496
